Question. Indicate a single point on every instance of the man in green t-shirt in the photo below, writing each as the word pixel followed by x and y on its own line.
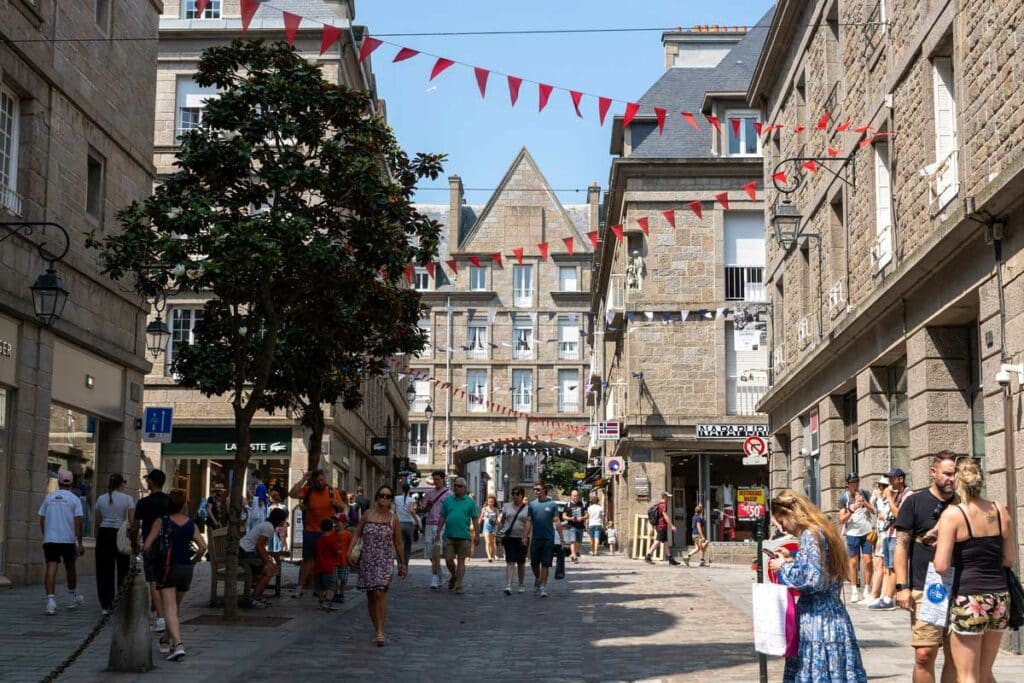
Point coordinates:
pixel 458 519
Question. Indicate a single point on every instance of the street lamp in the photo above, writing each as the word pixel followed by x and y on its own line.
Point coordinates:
pixel 157 333
pixel 786 223
pixel 428 411
pixel 49 293
pixel 411 392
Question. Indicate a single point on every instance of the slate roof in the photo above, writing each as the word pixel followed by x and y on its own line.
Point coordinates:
pixel 683 89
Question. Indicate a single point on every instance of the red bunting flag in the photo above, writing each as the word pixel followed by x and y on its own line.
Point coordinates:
pixel 798 129
pixel 593 237
pixel 660 113
pixel 409 270
pixel 481 79
pixel 603 103
pixel 429 265
pixel 513 88
pixel 543 94
pixel 823 122
pixel 496 257
pixel 862 129
pixel 518 251
pixel 249 8
pixel 735 123
pixel 369 45
pixel 440 65
pixel 781 177
pixel 543 248
pixel 617 231
pixel 475 260
pixel 576 96
pixel 843 127
pixel 695 207
pixel 645 225
pixel 833 152
pixel 751 189
pixel 631 111
pixel 328 37
pixel 670 216
pixel 810 166
pixel 568 244
pixel 291 27
pixel 688 117
pixel 201 6
pixel 454 265
pixel 758 127
pixel 404 54
pixel 713 120
pixel 723 199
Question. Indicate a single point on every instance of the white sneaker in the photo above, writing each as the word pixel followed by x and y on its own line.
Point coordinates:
pixel 297 593
pixel 508 589
pixel 543 592
pixel 176 653
pixel 522 588
pixel 855 595
pixel 159 626
pixel 435 582
pixel 51 605
pixel 76 602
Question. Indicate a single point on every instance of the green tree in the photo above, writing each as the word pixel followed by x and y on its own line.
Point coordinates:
pixel 559 473
pixel 290 195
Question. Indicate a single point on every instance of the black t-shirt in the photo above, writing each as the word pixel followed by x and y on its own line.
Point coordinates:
pixel 576 513
pixel 919 513
pixel 150 509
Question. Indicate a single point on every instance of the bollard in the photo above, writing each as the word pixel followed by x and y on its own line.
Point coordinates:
pixel 762 659
pixel 131 646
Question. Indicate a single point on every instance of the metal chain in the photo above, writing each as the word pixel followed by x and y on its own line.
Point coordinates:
pixel 63 666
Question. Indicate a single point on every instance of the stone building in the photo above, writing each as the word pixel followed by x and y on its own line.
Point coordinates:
pixel 199 457
pixel 76 144
pixel 899 298
pixel 504 333
pixel 679 361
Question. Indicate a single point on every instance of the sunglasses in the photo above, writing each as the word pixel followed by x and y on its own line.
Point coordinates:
pixel 385 496
pixel 460 486
pixel 937 512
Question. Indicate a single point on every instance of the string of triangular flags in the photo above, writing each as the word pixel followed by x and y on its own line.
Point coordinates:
pixel 509 439
pixel 330 35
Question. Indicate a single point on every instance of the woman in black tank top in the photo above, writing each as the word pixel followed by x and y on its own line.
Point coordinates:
pixel 974 539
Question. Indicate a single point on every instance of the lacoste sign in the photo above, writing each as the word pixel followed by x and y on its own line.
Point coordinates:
pixel 274 447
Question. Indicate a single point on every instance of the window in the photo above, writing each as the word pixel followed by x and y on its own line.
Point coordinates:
pixel 812 476
pixel 73 441
pixel 529 468
pixel 881 253
pixel 899 425
pixel 568 391
pixel 422 397
pixel 419 447
pixel 189 118
pixel 848 409
pixel 424 325
pixel 743 138
pixel 9 199
pixel 522 286
pixel 190 102
pixel 522 390
pixel 476 340
pixel 476 390
pixel 94 185
pixel 477 279
pixel 102 15
pixel 568 339
pixel 212 10
pixel 522 338
pixel 421 279
pixel 744 256
pixel 183 325
pixel 976 397
pixel 746 367
pixel 945 175
pixel 568 280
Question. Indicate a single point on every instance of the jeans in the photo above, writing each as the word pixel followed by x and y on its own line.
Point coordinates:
pixel 111 566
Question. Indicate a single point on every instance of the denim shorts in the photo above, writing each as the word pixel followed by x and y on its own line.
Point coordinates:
pixel 309 539
pixel 575 534
pixel 858 545
pixel 541 552
pixel 888 552
pixel 595 532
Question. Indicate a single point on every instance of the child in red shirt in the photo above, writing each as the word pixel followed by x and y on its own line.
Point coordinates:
pixel 325 561
pixel 341 568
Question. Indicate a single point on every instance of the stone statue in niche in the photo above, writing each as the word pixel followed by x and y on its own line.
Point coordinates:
pixel 636 269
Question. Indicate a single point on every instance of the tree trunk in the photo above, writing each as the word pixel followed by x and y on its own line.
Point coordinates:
pixel 243 442
pixel 313 420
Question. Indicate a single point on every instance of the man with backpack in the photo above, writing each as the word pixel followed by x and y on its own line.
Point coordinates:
pixel 857 517
pixel 430 503
pixel 319 502
pixel 657 515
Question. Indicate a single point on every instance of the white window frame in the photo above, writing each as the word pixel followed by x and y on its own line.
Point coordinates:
pixel 522 297
pixel 424 324
pixel 195 314
pixel 212 10
pixel 531 341
pixel 575 278
pixel 568 342
pixel 946 176
pixel 882 250
pixel 100 190
pixel 10 112
pixel 564 405
pixel 742 115
pixel 477 344
pixel 421 399
pixel 419 443
pixel 479 391
pixel 522 393
pixel 478 279
pixel 189 95
pixel 421 279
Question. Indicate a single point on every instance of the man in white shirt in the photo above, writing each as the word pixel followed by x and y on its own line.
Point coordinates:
pixel 60 519
pixel 253 551
pixel 404 505
pixel 857 517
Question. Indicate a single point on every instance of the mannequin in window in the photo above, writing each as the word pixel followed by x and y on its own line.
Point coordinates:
pixel 635 271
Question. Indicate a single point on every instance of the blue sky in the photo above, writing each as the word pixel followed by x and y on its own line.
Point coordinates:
pixel 481 137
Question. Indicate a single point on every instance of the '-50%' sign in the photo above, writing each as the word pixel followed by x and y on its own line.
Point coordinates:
pixel 749 503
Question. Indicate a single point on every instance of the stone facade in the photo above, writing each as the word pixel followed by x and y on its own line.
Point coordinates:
pixel 907 307
pixel 523 212
pixel 77 149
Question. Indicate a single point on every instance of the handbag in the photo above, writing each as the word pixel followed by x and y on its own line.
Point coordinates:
pixel 1016 599
pixel 872 538
pixel 124 538
pixel 935 601
pixel 356 551
pixel 560 563
pixel 770 606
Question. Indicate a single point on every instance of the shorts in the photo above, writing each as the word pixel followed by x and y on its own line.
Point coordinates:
pixel 858 545
pixel 489 528
pixel 428 541
pixel 978 613
pixel 595 532
pixel 253 560
pixel 515 551
pixel 457 548
pixel 923 634
pixel 179 577
pixel 889 552
pixel 325 582
pixel 309 539
pixel 542 550
pixel 662 535
pixel 61 552
pixel 341 574
pixel 574 534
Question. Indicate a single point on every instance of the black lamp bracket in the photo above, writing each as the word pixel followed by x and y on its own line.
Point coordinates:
pixel 28 229
pixel 845 170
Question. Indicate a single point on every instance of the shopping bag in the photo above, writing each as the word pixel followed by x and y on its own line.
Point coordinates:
pixel 770 604
pixel 792 627
pixel 935 601
pixel 560 563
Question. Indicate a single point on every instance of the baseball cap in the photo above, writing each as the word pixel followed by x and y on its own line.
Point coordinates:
pixel 897 472
pixel 852 476
pixel 883 480
pixel 65 477
pixel 666 494
pixel 156 477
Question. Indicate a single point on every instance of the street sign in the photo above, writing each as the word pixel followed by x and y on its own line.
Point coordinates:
pixel 756 450
pixel 157 425
pixel 608 431
pixel 756 460
pixel 614 465
pixel 749 503
pixel 642 486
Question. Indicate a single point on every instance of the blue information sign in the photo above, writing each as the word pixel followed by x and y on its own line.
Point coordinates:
pixel 157 425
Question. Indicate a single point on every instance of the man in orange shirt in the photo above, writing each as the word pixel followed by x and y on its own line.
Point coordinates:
pixel 319 502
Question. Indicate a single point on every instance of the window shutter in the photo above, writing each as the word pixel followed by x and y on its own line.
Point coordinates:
pixel 945 107
pixel 883 208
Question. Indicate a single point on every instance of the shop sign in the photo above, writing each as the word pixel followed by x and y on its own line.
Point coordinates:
pixel 750 338
pixel 8 352
pixel 379 446
pixel 750 503
pixel 730 431
pixel 642 486
pixel 214 442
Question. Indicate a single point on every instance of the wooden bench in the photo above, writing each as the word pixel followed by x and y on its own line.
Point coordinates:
pixel 218 553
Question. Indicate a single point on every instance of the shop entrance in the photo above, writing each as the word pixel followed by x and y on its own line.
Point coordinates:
pixel 711 479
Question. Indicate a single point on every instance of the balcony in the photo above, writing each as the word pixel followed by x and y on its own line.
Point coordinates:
pixel 568 350
pixel 522 400
pixel 522 352
pixel 568 405
pixel 943 182
pixel 419 453
pixel 10 201
pixel 743 393
pixel 522 298
pixel 477 403
pixel 744 283
pixel 419 404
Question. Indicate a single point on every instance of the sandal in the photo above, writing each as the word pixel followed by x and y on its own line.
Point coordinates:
pixel 379 641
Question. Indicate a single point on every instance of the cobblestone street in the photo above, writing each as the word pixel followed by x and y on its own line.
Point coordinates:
pixel 610 619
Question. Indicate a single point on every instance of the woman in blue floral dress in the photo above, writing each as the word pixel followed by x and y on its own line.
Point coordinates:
pixel 828 646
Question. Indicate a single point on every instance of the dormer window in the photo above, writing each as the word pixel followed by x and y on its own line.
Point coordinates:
pixel 741 135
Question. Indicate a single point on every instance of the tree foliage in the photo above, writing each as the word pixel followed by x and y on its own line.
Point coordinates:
pixel 559 473
pixel 291 209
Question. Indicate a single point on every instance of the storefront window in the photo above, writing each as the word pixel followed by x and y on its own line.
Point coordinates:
pixel 976 398
pixel 849 411
pixel 73 439
pixel 899 425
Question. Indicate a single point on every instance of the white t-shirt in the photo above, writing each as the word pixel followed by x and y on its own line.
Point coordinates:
pixel 861 521
pixel 114 513
pixel 594 514
pixel 509 511
pixel 60 509
pixel 248 542
pixel 402 509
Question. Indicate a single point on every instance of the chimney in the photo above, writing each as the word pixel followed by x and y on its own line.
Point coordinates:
pixel 594 206
pixel 701 47
pixel 455 195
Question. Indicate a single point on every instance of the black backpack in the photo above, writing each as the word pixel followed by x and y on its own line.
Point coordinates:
pixel 654 514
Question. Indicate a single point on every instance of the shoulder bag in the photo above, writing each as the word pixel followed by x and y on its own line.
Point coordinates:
pixel 124 538
pixel 356 551
pixel 511 524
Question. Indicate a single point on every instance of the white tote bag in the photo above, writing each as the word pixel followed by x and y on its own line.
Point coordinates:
pixel 770 603
pixel 935 601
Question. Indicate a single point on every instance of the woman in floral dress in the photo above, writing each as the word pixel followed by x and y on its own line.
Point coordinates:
pixel 828 646
pixel 382 542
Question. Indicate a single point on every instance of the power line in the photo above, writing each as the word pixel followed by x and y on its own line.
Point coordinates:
pixel 510 189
